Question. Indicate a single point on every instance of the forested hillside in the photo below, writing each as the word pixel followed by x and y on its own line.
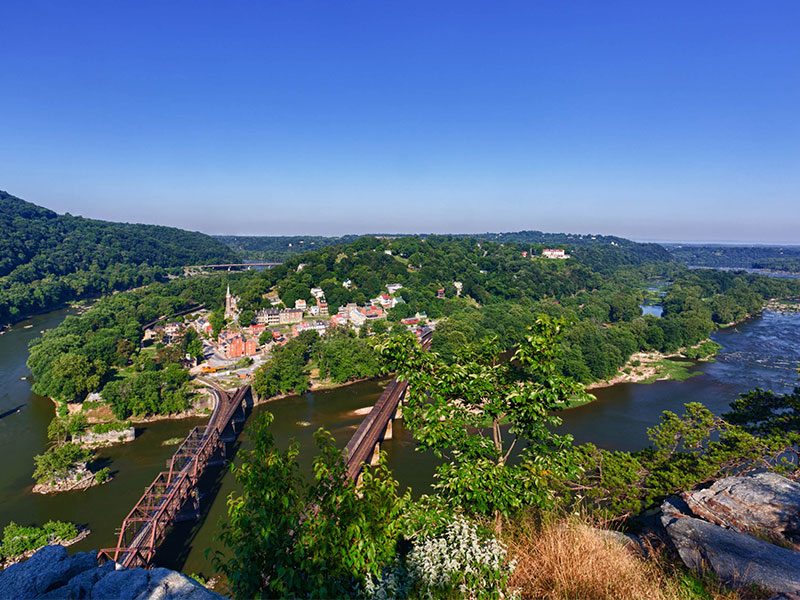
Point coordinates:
pixel 47 259
pixel 277 248
pixel 774 258
pixel 596 250
pixel 489 289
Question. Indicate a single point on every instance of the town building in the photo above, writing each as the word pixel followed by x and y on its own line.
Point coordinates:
pixel 385 300
pixel 440 293
pixel 173 328
pixel 233 344
pixel 239 346
pixel 318 326
pixel 554 253
pixel 257 329
pixel 301 304
pixel 339 319
pixel 153 333
pixel 373 312
pixel 273 298
pixel 357 317
pixel 393 287
pixel 347 283
pixel 317 292
pixel 268 316
pixel 231 305
pixel 322 304
pixel 289 316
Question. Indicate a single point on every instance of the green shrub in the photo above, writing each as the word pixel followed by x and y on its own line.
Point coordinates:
pixel 59 461
pixel 102 475
pixel 101 428
pixel 18 539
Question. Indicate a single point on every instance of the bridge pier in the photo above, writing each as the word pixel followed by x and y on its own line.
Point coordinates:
pixel 376 454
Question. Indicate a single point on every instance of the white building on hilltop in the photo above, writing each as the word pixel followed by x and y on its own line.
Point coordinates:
pixel 554 253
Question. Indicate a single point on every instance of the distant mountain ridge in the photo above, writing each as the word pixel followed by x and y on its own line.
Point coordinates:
pixel 776 258
pixel 47 259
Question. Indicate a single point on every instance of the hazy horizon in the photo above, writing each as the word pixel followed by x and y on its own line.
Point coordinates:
pixel 453 232
pixel 670 122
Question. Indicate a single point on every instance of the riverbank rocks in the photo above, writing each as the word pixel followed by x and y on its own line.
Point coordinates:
pixel 52 573
pixel 765 502
pixel 726 528
pixel 109 438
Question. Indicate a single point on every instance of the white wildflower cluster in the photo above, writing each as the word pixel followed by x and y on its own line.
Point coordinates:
pixel 394 583
pixel 457 563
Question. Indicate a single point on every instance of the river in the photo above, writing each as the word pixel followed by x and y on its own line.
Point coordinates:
pixel 762 352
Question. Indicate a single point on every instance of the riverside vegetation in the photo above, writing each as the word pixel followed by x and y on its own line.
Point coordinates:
pixel 597 295
pixel 495 524
pixel 18 540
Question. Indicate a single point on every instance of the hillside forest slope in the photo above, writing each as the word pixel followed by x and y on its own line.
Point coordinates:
pixel 47 259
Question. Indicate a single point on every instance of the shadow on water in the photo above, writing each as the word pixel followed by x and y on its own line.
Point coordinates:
pixel 102 462
pixel 13 411
pixel 181 539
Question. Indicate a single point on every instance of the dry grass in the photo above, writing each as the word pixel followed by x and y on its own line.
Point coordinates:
pixel 569 559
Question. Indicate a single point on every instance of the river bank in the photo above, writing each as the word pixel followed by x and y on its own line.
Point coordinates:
pixel 649 367
pixel 763 353
pixel 83 533
pixel 318 387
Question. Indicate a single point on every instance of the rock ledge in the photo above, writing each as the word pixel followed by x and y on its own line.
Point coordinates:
pixel 52 573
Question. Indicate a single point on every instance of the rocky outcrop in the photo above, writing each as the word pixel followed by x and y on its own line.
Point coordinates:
pixel 726 527
pixel 52 573
pixel 109 438
pixel 737 559
pixel 765 502
pixel 80 478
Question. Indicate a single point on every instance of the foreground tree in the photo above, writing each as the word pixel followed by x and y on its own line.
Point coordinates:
pixel 288 538
pixel 686 451
pixel 490 418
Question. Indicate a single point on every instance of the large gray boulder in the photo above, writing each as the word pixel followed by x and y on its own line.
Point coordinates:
pixel 51 573
pixel 765 502
pixel 734 508
pixel 737 558
pixel 50 568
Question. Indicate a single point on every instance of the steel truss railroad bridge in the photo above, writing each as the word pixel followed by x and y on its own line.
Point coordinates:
pixel 174 494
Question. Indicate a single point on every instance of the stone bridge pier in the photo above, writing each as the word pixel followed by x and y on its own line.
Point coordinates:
pixel 387 431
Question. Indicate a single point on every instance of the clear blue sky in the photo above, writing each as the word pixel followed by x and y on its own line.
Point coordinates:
pixel 668 120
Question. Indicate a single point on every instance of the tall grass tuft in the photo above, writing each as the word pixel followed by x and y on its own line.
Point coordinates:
pixel 570 557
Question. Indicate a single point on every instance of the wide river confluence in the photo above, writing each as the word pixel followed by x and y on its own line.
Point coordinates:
pixel 763 352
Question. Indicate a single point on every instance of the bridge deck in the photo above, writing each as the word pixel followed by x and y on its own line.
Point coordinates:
pixel 359 449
